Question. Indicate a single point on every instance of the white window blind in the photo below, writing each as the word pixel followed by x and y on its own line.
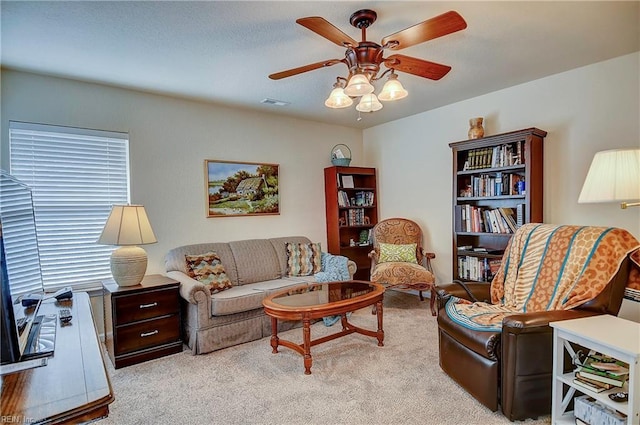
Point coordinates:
pixel 75 175
pixel 19 236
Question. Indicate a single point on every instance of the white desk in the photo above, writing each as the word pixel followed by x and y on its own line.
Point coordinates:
pixel 610 335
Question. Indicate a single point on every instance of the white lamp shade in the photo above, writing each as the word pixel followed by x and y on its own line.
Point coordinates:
pixel 337 99
pixel 358 85
pixel 614 176
pixel 392 90
pixel 127 225
pixel 369 103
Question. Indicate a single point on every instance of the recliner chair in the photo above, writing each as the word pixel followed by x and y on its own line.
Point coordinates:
pixel 511 366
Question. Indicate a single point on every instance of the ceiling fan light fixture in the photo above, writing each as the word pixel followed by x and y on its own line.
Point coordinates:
pixel 358 85
pixel 392 89
pixel 369 103
pixel 337 99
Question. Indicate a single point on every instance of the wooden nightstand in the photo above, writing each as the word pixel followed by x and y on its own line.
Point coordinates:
pixel 142 322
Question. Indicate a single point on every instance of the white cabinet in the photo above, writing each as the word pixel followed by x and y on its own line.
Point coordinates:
pixel 610 335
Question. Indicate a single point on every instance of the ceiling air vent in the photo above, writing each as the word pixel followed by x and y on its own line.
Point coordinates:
pixel 274 102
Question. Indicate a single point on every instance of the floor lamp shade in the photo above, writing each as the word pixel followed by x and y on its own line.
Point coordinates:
pixel 128 226
pixel 614 176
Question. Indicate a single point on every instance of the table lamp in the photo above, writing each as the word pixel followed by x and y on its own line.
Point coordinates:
pixel 128 227
pixel 614 176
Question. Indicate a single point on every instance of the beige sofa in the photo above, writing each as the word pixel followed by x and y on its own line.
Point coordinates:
pixel 256 268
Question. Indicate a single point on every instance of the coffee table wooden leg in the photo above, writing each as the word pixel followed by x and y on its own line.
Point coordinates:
pixel 274 335
pixel 306 334
pixel 343 320
pixel 380 333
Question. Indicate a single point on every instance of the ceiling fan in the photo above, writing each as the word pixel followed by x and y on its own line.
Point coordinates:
pixel 366 57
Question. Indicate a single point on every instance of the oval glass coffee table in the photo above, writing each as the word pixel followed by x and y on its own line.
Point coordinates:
pixel 318 300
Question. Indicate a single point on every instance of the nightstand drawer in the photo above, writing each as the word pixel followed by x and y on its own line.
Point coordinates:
pixel 149 333
pixel 146 305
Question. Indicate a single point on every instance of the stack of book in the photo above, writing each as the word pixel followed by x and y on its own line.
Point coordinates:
pixel 598 373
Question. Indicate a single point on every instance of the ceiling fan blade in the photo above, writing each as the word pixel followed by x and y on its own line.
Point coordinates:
pixel 327 30
pixel 306 68
pixel 438 26
pixel 415 66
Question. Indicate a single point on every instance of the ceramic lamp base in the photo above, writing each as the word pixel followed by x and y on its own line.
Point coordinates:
pixel 128 265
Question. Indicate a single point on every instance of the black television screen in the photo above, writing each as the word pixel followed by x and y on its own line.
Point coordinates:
pixel 20 273
pixel 10 344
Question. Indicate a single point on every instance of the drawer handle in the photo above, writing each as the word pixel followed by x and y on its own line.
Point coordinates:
pixel 148 305
pixel 145 334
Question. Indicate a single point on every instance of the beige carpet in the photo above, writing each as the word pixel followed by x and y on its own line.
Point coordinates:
pixel 353 381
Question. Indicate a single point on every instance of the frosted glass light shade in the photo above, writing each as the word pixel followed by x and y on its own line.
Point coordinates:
pixel 358 85
pixel 614 176
pixel 128 226
pixel 337 99
pixel 392 90
pixel 369 103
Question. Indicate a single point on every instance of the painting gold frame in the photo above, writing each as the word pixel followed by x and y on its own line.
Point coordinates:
pixel 241 188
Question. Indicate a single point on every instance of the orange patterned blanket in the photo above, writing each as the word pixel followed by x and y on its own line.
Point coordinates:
pixel 550 267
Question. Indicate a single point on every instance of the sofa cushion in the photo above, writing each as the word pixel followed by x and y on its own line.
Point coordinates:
pixel 174 260
pixel 256 260
pixel 390 252
pixel 276 285
pixel 299 280
pixel 279 245
pixel 235 300
pixel 303 259
pixel 396 273
pixel 248 297
pixel 208 269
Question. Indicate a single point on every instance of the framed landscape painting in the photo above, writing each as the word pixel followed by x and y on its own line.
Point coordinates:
pixel 241 188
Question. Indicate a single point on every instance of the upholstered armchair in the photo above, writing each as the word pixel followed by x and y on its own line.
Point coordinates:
pixel 495 340
pixel 398 259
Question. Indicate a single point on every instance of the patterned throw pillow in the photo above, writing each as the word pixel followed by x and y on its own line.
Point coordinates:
pixel 208 269
pixel 303 259
pixel 397 253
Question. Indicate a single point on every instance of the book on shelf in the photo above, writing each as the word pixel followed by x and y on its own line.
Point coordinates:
pixel 520 218
pixel 509 218
pixel 588 385
pixel 474 268
pixel 605 365
pixel 470 218
pixel 597 375
pixel 593 381
pixel 343 199
pixel 364 198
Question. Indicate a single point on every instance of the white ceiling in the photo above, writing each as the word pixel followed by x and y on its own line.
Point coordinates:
pixel 222 52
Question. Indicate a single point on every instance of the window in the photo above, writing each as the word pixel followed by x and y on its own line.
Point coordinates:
pixel 75 175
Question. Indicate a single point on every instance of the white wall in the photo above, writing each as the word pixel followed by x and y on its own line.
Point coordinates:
pixel 584 111
pixel 169 141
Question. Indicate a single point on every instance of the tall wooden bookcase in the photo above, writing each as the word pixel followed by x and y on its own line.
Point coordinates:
pixel 497 186
pixel 351 212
